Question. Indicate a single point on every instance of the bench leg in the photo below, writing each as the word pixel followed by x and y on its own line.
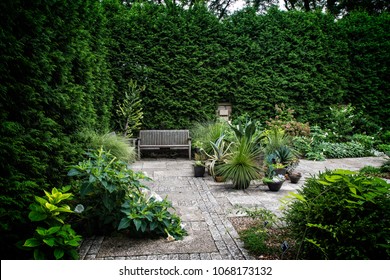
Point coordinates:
pixel 189 152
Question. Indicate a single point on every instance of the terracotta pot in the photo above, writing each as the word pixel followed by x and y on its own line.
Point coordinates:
pixel 219 179
pixel 294 177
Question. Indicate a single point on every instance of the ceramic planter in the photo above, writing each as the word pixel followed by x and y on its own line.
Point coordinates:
pixel 275 186
pixel 294 177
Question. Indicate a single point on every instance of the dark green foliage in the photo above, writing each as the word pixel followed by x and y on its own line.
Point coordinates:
pixel 174 53
pixel 291 58
pixel 368 39
pixel 54 81
pixel 104 183
pixel 341 215
pixel 151 215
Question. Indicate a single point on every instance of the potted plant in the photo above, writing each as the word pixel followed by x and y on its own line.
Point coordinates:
pixel 279 168
pixel 198 146
pixel 199 166
pixel 294 177
pixel 241 166
pixel 272 180
pixel 219 156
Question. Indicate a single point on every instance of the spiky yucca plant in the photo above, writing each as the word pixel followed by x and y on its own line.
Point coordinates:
pixel 242 166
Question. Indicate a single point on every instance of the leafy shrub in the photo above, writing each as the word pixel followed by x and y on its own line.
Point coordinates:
pixel 54 239
pixel 266 234
pixel 306 148
pixel 255 240
pixel 344 150
pixel 366 140
pixel 341 215
pixel 285 120
pixel 104 183
pixel 384 148
pixel 385 167
pixel 150 215
pixel 341 121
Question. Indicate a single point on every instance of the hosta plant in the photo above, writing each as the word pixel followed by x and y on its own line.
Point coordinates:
pixel 341 215
pixel 151 215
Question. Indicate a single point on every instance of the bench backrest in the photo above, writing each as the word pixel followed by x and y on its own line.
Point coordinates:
pixel 164 137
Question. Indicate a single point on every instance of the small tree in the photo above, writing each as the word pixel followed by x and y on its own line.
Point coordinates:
pixel 130 112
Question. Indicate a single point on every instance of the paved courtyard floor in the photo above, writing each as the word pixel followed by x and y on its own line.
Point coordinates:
pixel 204 207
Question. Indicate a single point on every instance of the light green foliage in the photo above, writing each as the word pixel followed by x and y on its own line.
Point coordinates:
pixel 265 235
pixel 54 81
pixel 54 239
pixel 118 145
pixel 341 122
pixel 366 140
pixel 341 215
pixel 129 111
pixel 104 184
pixel 344 150
pixel 205 133
pixel 310 147
pixel 151 216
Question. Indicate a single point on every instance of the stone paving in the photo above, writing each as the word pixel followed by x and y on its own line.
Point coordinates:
pixel 204 207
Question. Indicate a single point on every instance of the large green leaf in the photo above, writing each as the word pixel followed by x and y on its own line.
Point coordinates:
pixel 58 253
pixel 32 242
pixel 37 216
pixel 124 223
pixel 73 172
pixel 50 241
pixel 137 223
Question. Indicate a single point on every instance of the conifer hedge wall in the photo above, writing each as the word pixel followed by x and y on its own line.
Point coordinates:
pixel 54 82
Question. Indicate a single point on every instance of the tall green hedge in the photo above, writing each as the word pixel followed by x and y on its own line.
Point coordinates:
pixel 175 54
pixel 189 61
pixel 54 82
pixel 368 87
pixel 292 58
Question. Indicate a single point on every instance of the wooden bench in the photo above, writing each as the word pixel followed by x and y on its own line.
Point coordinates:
pixel 151 139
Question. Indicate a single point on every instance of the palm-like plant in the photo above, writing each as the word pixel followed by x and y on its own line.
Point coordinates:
pixel 242 166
